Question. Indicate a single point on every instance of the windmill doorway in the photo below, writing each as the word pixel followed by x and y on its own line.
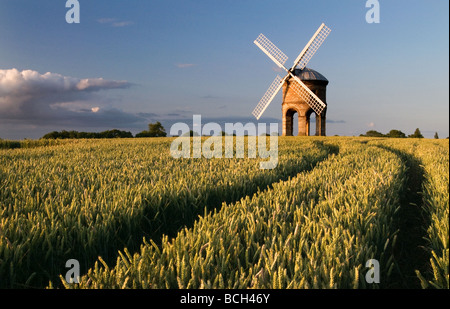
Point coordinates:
pixel 299 124
pixel 290 123
pixel 294 124
pixel 311 125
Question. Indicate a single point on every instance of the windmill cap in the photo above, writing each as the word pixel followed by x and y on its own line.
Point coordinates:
pixel 308 74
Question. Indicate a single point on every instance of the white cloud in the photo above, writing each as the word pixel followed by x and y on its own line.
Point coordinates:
pixel 114 22
pixel 122 23
pixel 14 82
pixel 33 98
pixel 371 124
pixel 106 20
pixel 277 69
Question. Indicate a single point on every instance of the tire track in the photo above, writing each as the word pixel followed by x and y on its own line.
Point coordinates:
pixel 412 222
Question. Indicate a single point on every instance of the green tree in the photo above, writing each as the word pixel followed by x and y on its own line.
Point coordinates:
pixel 51 135
pixel 436 136
pixel 190 133
pixel 373 133
pixel 75 134
pixel 416 134
pixel 154 130
pixel 396 134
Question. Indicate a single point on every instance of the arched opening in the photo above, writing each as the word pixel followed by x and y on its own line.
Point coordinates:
pixel 291 122
pixel 314 129
pixel 320 124
pixel 310 123
pixel 295 123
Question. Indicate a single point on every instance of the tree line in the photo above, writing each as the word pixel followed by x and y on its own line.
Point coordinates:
pixel 396 134
pixel 157 130
pixel 154 130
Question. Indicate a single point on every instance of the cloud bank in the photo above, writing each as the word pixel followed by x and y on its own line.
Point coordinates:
pixel 29 97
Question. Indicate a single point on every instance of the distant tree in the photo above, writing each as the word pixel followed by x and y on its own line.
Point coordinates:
pixel 115 134
pixel 51 135
pixel 154 130
pixel 143 134
pixel 416 134
pixel 190 133
pixel 75 134
pixel 436 136
pixel 396 134
pixel 373 133
pixel 64 134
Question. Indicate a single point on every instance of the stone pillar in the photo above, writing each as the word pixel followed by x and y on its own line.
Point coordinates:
pixel 288 124
pixel 308 122
pixel 320 125
pixel 302 122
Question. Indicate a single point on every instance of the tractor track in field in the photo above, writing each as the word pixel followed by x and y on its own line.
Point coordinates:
pixel 172 223
pixel 215 201
pixel 412 222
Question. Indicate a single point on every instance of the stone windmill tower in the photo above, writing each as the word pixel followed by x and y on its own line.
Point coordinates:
pixel 304 90
pixel 294 105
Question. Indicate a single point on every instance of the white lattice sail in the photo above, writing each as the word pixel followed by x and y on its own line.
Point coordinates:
pixel 296 84
pixel 268 97
pixel 306 94
pixel 312 46
pixel 271 50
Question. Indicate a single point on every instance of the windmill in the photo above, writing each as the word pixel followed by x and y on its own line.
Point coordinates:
pixel 295 83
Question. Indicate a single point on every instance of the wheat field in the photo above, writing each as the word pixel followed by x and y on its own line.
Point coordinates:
pixel 134 217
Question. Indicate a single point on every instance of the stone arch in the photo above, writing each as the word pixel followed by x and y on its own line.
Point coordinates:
pixel 288 120
pixel 308 114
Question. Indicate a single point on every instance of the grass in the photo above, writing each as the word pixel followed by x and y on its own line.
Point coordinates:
pixel 136 217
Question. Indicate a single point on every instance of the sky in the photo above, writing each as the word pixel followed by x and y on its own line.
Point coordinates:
pixel 130 63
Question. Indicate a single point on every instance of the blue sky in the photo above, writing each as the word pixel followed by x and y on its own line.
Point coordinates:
pixel 128 63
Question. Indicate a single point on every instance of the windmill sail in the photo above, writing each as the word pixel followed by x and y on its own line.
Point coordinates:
pixel 307 95
pixel 312 46
pixel 268 97
pixel 297 85
pixel 271 50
